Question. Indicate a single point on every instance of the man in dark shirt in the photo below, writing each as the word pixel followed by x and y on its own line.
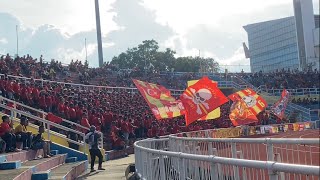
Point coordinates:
pixel 92 139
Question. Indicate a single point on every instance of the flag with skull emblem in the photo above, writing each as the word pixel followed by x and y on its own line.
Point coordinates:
pixel 159 99
pixel 253 101
pixel 280 106
pixel 200 99
pixel 246 105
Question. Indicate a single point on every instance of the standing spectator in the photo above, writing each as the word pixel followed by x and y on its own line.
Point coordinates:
pixel 92 139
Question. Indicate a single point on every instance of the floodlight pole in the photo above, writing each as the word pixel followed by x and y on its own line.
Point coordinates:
pixel 98 27
pixel 17 35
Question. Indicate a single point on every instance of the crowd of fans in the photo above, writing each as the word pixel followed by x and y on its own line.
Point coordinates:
pixel 284 79
pixel 120 115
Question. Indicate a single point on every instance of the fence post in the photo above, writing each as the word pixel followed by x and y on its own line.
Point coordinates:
pixel 234 155
pixel 278 159
pixel 182 169
pixel 273 175
pixel 214 170
pixel 162 168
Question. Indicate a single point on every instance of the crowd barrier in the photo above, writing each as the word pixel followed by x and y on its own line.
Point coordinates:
pixel 241 131
pixel 154 160
pixel 234 142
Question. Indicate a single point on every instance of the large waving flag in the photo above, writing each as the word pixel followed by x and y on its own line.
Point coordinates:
pixel 246 105
pixel 200 99
pixel 253 101
pixel 213 114
pixel 280 106
pixel 240 114
pixel 159 99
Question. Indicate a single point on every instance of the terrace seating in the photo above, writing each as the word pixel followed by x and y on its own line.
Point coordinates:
pixel 27 165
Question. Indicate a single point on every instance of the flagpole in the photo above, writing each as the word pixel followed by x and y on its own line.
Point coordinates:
pixel 17 35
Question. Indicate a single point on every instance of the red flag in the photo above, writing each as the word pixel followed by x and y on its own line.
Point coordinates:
pixel 280 106
pixel 246 105
pixel 200 99
pixel 240 114
pixel 253 101
pixel 159 99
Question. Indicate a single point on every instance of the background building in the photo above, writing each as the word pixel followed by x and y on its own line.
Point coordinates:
pixel 291 42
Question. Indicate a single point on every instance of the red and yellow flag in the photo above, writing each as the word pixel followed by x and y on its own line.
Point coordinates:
pixel 240 114
pixel 253 101
pixel 213 114
pixel 200 99
pixel 246 105
pixel 280 106
pixel 159 99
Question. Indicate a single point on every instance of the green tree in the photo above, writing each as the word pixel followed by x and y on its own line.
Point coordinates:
pixel 146 56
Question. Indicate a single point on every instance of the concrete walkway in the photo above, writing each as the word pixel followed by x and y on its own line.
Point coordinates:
pixel 115 170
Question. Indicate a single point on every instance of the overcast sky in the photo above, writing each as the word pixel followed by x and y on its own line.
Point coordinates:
pixel 57 28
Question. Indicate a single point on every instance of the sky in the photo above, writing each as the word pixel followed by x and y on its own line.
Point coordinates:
pixel 57 29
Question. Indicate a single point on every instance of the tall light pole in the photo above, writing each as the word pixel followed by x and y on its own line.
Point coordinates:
pixel 17 35
pixel 98 27
pixel 85 46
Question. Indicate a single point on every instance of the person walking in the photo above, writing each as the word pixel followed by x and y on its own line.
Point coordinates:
pixel 92 139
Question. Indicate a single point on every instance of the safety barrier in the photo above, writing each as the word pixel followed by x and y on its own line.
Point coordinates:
pixel 225 143
pixel 155 161
pixel 17 108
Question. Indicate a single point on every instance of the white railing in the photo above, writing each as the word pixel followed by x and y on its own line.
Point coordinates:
pixel 153 161
pixel 24 110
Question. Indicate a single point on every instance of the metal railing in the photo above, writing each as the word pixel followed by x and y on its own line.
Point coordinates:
pixel 34 114
pixel 153 161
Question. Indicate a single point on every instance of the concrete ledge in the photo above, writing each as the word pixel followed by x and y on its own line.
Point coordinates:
pixel 69 171
pixel 42 175
pixel 20 156
pixel 71 159
pixel 54 152
pixel 10 165
pixel 41 166
pixel 111 155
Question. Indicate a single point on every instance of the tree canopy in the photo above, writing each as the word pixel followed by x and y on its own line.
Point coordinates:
pixel 147 56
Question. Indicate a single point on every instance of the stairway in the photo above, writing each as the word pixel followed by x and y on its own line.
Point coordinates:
pixel 303 113
pixel 26 165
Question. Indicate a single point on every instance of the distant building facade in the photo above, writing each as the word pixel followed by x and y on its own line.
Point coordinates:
pixel 291 42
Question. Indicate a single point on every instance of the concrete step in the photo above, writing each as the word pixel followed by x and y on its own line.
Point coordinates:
pixel 71 159
pixel 69 171
pixel 28 168
pixel 54 152
pixel 41 175
pixel 19 156
pixel 10 165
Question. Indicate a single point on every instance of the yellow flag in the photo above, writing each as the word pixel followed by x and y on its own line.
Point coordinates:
pixel 213 114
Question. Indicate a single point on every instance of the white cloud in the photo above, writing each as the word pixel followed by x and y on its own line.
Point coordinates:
pixel 71 16
pixel 3 41
pixel 66 55
pixel 213 26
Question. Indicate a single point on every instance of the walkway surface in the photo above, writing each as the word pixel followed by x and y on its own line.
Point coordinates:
pixel 115 170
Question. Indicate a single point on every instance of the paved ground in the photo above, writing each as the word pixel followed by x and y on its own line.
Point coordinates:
pixel 115 170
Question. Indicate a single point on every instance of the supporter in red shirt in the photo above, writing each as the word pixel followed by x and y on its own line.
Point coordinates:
pixel 49 103
pixel 84 122
pixel 61 108
pixel 72 113
pixel 118 144
pixel 42 102
pixel 66 110
pixel 79 111
pixel 6 133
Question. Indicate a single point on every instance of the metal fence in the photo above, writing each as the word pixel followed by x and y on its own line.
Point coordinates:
pixel 154 160
pixel 40 116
